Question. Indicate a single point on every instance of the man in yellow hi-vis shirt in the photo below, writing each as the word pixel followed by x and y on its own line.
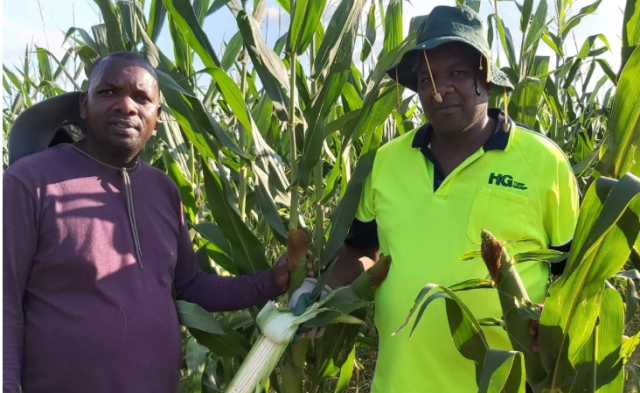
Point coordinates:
pixel 432 190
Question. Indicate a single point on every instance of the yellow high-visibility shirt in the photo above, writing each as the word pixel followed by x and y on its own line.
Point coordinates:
pixel 519 185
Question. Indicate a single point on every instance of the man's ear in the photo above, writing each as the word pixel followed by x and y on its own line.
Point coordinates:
pixel 486 86
pixel 158 116
pixel 83 105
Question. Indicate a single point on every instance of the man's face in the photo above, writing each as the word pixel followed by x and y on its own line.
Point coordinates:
pixel 121 107
pixel 454 67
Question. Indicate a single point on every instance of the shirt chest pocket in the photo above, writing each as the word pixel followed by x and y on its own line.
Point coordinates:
pixel 503 213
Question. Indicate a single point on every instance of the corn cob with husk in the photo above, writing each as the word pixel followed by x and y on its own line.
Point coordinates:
pixel 279 325
pixel 292 370
pixel 513 298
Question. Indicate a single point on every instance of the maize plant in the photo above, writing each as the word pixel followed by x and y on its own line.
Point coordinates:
pixel 580 340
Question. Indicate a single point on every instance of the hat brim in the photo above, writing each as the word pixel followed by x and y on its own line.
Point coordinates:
pixel 45 122
pixel 405 73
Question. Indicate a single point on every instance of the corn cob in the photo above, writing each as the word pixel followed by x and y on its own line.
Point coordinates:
pixel 512 293
pixel 264 356
pixel 279 326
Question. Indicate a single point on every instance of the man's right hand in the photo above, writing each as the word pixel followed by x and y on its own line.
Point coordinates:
pixel 281 271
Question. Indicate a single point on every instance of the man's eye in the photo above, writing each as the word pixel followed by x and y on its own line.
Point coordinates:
pixel 106 92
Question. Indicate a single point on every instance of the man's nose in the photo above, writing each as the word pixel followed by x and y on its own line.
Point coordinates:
pixel 443 85
pixel 125 104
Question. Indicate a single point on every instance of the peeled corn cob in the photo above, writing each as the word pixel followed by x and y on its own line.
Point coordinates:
pixel 264 355
pixel 278 327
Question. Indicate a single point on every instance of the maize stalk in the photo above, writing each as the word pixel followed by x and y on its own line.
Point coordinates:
pixel 513 295
pixel 292 370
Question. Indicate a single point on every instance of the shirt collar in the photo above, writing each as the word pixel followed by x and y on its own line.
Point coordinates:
pixel 498 140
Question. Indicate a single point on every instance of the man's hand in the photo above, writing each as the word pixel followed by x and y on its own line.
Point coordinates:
pixel 534 327
pixel 280 272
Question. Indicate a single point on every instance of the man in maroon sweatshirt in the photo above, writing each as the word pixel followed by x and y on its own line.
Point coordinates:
pixel 94 241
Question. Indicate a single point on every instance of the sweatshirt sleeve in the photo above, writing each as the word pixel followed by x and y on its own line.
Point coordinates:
pixel 20 239
pixel 217 293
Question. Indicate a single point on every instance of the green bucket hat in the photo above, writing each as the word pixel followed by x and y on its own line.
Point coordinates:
pixel 444 25
pixel 48 123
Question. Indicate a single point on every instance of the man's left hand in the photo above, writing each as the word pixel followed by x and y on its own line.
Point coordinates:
pixel 534 328
pixel 280 272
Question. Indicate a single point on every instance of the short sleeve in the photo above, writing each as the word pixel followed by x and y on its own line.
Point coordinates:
pixel 562 206
pixel 366 211
pixel 363 232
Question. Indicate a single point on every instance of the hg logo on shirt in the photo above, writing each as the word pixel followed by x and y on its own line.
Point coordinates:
pixel 506 181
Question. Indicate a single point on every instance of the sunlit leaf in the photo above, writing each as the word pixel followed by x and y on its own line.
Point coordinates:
pixel 305 18
pixel 503 372
pixel 608 218
pixel 621 151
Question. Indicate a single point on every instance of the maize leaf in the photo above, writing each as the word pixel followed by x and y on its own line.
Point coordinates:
pixel 503 372
pixel 606 233
pixel 465 329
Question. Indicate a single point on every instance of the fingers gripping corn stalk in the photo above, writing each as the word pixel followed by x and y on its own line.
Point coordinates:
pixel 297 245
